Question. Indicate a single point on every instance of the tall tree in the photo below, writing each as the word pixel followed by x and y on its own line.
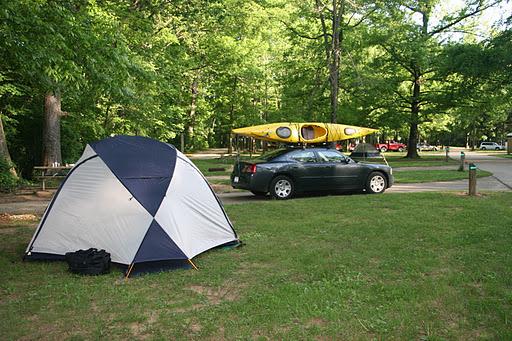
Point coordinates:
pixel 414 45
pixel 336 19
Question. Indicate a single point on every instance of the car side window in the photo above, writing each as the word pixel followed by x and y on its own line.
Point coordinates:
pixel 303 156
pixel 331 156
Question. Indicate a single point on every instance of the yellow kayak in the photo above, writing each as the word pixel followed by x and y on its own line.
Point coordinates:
pixel 303 132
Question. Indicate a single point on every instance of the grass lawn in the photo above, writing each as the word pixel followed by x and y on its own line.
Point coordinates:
pixel 225 162
pixel 220 181
pixel 434 175
pixel 396 159
pixel 396 266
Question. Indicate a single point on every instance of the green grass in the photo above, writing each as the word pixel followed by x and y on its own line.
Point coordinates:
pixel 220 181
pixel 434 175
pixel 424 266
pixel 506 156
pixel 225 162
pixel 425 160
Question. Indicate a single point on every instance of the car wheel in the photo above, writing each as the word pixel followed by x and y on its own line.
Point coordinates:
pixel 282 188
pixel 497 148
pixel 376 183
pixel 383 149
pixel 483 148
pixel 259 193
pixel 400 149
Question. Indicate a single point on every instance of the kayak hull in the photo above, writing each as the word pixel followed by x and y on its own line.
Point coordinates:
pixel 288 132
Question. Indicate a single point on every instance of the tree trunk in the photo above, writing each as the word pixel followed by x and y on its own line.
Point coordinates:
pixel 412 152
pixel 192 114
pixel 232 115
pixel 4 150
pixel 51 129
pixel 332 50
pixel 230 144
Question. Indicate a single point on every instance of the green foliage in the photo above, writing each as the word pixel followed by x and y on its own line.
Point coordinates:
pixel 199 69
pixel 480 87
pixel 8 182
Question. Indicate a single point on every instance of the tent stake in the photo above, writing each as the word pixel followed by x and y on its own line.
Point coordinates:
pixel 129 271
pixel 193 265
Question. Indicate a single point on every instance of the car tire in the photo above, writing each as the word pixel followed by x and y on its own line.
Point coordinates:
pixel 383 149
pixel 483 148
pixel 400 149
pixel 259 193
pixel 376 183
pixel 282 188
pixel 497 148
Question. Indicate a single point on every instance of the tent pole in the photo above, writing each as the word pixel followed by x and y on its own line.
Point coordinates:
pixel 193 265
pixel 129 271
pixel 386 161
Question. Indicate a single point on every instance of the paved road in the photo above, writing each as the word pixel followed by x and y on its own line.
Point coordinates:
pixel 500 167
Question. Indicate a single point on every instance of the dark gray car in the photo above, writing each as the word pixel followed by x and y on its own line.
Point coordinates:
pixel 286 172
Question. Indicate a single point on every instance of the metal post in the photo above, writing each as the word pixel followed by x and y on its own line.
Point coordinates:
pixel 509 143
pixel 472 179
pixel 462 159
pixel 447 150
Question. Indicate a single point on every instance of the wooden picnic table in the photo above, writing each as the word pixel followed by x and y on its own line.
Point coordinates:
pixel 51 173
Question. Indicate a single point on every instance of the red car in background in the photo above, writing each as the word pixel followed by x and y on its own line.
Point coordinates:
pixel 392 146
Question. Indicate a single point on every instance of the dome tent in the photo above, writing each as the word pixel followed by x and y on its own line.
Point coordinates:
pixel 139 199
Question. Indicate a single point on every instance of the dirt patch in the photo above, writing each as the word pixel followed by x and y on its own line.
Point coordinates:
pixel 26 195
pixel 9 222
pixel 221 188
pixel 219 335
pixel 228 292
pixel 140 330
pixel 465 194
pixel 316 322
pixel 137 330
pixel 195 327
pixel 215 295
pixel 190 308
pixel 6 217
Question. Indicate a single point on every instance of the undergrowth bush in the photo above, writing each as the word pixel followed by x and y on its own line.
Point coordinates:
pixel 8 181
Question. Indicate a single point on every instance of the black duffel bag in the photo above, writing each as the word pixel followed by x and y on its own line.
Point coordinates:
pixel 89 262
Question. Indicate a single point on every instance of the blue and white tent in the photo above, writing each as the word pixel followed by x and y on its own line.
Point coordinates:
pixel 139 199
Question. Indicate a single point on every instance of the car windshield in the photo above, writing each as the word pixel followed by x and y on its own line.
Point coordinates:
pixel 272 154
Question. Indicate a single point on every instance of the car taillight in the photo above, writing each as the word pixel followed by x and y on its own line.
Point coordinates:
pixel 250 169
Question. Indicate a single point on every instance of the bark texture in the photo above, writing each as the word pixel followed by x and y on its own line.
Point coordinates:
pixel 51 130
pixel 412 151
pixel 194 90
pixel 4 150
pixel 333 49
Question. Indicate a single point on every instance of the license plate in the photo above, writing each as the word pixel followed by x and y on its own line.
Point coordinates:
pixel 235 179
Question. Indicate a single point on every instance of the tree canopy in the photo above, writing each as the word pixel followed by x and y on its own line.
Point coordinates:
pixel 193 70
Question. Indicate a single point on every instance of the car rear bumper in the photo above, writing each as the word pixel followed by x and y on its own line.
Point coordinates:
pixel 250 182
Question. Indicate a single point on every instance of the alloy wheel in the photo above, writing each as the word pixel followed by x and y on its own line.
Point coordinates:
pixel 377 183
pixel 283 188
